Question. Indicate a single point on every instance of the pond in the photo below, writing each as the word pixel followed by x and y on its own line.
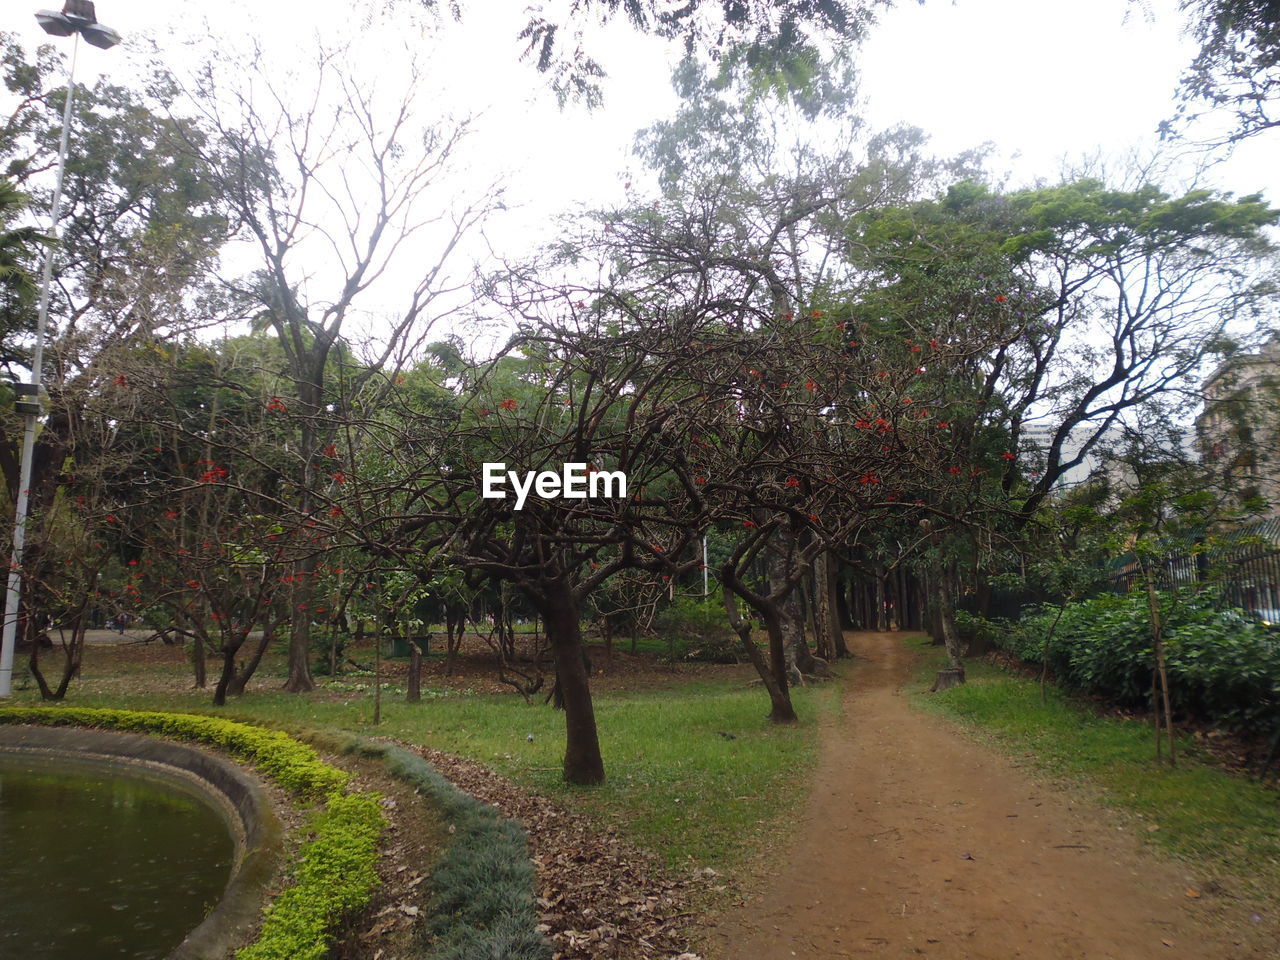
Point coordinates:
pixel 98 861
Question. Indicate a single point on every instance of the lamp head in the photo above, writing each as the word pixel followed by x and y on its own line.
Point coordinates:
pixel 78 16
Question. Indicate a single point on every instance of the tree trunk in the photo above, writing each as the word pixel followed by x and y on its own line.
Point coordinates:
pixel 300 679
pixel 242 676
pixel 828 612
pixel 945 598
pixel 1157 642
pixel 230 647
pixel 559 609
pixel 781 710
pixel 414 692
pixel 878 602
pixel 197 655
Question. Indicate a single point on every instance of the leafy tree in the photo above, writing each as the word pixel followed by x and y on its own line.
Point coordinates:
pixel 290 163
pixel 1110 300
pixel 1237 67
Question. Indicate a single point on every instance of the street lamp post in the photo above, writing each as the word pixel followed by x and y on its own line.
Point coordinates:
pixel 78 18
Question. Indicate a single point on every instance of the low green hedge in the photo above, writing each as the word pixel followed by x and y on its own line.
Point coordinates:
pixel 293 765
pixel 483 886
pixel 334 880
pixel 337 868
pixel 1222 666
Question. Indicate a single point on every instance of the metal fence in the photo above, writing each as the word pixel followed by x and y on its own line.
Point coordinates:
pixel 1244 563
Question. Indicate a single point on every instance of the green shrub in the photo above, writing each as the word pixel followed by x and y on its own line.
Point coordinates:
pixel 698 630
pixel 1222 666
pixel 293 765
pixel 978 632
pixel 335 878
pixel 483 886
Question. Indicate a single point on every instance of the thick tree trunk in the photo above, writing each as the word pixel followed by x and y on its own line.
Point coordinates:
pixel 582 761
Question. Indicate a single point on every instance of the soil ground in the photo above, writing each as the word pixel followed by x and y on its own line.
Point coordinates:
pixel 918 840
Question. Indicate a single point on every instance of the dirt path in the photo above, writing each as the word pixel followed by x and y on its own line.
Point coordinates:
pixel 919 841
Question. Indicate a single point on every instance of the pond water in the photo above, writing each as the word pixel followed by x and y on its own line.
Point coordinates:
pixel 99 863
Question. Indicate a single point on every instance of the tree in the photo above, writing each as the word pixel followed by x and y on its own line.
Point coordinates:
pixel 1237 66
pixel 321 166
pixel 1113 298
pixel 140 233
pixel 779 35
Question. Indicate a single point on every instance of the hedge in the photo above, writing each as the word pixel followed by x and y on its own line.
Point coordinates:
pixel 337 868
pixel 1222 666
pixel 482 902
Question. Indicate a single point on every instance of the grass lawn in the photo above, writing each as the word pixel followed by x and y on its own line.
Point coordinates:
pixel 1221 820
pixel 677 785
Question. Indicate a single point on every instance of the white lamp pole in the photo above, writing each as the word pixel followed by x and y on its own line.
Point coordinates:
pixel 77 17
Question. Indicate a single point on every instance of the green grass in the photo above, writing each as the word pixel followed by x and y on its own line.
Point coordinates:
pixel 674 783
pixel 1202 813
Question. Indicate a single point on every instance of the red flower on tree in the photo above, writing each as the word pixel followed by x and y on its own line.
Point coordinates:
pixel 867 478
pixel 1001 298
pixel 810 385
pixel 1008 456
pixel 276 405
pixel 340 477
pixel 508 404
pixel 792 482
pixel 749 524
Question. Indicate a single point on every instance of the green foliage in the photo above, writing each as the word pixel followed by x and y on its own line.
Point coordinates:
pixel 335 878
pixel 293 765
pixel 1221 665
pixel 978 632
pixel 698 630
pixel 483 886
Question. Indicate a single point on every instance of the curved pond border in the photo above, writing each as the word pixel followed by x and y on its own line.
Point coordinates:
pixel 238 795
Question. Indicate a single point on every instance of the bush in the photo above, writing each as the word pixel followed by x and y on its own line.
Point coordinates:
pixel 483 887
pixel 1222 666
pixel 698 630
pixel 979 633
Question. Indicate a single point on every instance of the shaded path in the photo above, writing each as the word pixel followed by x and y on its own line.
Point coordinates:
pixel 919 841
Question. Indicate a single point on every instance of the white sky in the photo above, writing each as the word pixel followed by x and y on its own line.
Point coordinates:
pixel 1047 83
pixel 1042 80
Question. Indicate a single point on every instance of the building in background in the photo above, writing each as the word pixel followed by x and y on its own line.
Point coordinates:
pixel 1095 463
pixel 1239 429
